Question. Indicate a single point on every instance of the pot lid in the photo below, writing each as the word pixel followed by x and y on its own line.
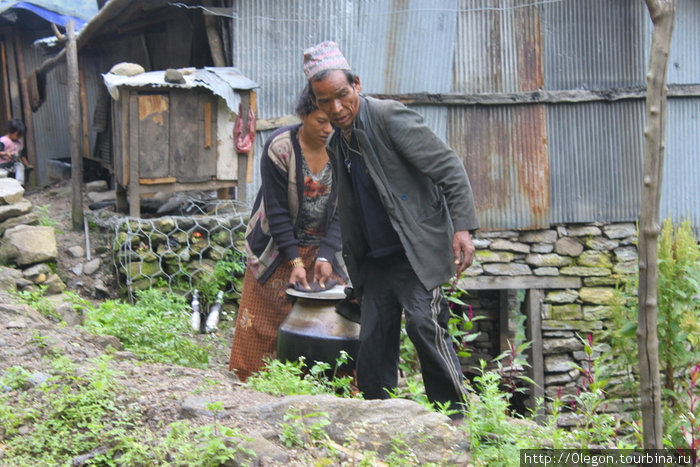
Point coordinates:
pixel 334 293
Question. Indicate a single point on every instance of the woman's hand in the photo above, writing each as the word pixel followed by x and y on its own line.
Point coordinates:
pixel 298 276
pixel 322 272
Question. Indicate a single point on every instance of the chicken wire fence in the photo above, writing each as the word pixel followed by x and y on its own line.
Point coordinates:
pixel 181 253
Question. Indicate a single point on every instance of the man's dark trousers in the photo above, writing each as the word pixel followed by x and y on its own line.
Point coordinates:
pixel 391 285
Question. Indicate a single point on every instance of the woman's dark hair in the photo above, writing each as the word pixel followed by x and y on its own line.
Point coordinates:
pixel 306 104
pixel 16 125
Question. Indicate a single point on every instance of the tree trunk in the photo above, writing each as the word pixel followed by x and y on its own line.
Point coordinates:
pixel 662 14
pixel 76 158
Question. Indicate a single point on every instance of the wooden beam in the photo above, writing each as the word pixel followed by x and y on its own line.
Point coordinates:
pixel 538 97
pixel 157 181
pixel 519 282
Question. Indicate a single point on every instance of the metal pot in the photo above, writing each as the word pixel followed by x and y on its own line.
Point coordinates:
pixel 314 330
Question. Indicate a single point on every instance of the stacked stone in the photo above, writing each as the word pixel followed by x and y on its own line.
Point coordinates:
pixel 175 249
pixel 602 256
pixel 26 249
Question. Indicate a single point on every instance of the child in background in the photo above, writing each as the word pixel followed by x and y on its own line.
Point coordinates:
pixel 11 157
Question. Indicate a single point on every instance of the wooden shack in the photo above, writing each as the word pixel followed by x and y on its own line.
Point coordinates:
pixel 178 136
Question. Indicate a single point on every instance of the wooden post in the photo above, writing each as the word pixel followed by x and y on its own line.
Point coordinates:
pixel 533 309
pixel 215 46
pixel 30 144
pixel 662 14
pixel 74 127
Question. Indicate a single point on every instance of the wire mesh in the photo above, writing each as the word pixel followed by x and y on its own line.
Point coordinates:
pixel 179 252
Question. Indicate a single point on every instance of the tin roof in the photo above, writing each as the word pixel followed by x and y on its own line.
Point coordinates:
pixel 222 81
pixel 56 11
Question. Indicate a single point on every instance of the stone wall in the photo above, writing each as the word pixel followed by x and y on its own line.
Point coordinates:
pixel 27 249
pixel 172 251
pixel 574 269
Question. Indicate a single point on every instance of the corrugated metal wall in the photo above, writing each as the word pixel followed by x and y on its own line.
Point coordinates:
pixel 531 165
pixel 50 120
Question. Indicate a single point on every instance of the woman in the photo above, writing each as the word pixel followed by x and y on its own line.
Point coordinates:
pixel 293 236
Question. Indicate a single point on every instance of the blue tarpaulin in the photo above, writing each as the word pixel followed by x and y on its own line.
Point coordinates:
pixel 56 11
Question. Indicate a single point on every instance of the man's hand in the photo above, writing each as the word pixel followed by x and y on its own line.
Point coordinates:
pixel 322 272
pixel 463 250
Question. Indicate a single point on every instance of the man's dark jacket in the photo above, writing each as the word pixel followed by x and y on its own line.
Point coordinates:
pixel 422 185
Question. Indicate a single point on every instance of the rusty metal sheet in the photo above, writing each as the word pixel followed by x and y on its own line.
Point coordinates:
pixel 505 153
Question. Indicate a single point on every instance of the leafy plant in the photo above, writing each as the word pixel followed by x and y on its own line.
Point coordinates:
pixel 155 328
pixel 678 323
pixel 45 219
pixel 14 377
pixel 303 429
pixel 294 377
pixel 227 275
pixel 37 300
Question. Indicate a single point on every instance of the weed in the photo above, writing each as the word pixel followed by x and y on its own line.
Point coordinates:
pixel 37 300
pixel 14 377
pixel 45 218
pixel 154 328
pixel 303 429
pixel 294 377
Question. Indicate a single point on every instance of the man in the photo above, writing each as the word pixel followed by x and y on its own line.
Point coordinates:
pixel 406 211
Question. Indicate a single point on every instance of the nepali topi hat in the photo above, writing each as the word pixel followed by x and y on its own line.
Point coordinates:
pixel 323 56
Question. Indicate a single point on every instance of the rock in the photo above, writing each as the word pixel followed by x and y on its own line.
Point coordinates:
pixel 620 230
pixel 542 248
pixel 92 266
pixel 558 363
pixel 31 218
pixel 174 76
pixel 561 296
pixel 25 245
pixel 510 269
pixel 488 256
pixel 579 231
pixel 626 253
pixel 20 208
pixel 597 295
pixel 9 278
pixel 65 309
pixel 566 312
pixel 264 450
pixel 32 272
pixel 76 251
pixel 101 196
pixel 568 246
pixel 96 185
pixel 538 236
pixel 481 243
pixel 556 346
pixel 127 69
pixel 594 259
pixel 548 260
pixel 373 424
pixel 506 245
pixel 584 271
pixel 546 271
pixel 39 378
pixel 54 284
pixel 601 243
pixel 11 191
